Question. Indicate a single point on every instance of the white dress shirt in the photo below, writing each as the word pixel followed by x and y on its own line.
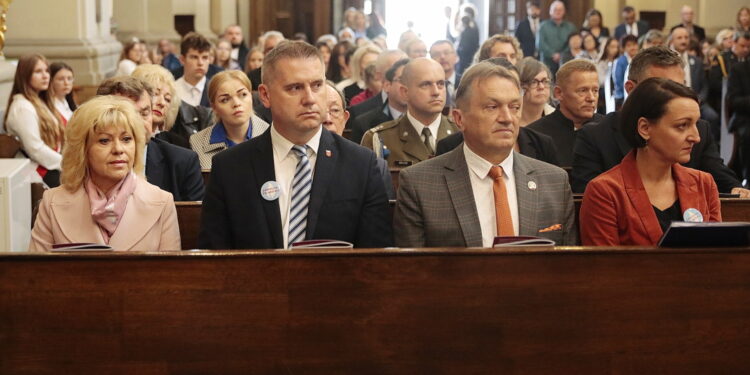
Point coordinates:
pixel 484 198
pixel 632 29
pixel 188 93
pixel 688 78
pixel 285 164
pixel 434 126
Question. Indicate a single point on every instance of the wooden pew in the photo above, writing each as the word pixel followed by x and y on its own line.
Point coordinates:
pixel 416 311
pixel 189 214
pixel 189 219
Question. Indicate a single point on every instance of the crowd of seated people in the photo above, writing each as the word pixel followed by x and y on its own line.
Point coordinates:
pixel 299 138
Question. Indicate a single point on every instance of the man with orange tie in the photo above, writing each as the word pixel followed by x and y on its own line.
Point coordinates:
pixel 485 188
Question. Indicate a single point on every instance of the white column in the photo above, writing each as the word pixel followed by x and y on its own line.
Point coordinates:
pixel 74 31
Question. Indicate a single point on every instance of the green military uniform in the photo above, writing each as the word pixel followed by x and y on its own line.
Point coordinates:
pixel 399 143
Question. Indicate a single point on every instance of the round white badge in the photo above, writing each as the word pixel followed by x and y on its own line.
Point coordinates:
pixel 532 185
pixel 270 190
pixel 692 215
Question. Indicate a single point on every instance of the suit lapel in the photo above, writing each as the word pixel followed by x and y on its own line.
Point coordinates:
pixel 639 198
pixel 325 166
pixel 687 191
pixel 527 198
pixel 73 213
pixel 458 182
pixel 154 160
pixel 264 171
pixel 141 213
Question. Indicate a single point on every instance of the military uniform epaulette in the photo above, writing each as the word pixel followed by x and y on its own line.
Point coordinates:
pixel 385 125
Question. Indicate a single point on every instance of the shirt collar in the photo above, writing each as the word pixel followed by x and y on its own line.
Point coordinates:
pixel 561 119
pixel 219 134
pixel 198 86
pixel 392 111
pixel 383 95
pixel 452 79
pixel 282 146
pixel 418 126
pixel 481 167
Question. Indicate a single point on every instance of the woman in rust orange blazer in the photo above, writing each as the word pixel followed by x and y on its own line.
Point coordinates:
pixel 634 202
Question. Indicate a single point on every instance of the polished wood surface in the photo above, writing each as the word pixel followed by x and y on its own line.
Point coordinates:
pixel 441 311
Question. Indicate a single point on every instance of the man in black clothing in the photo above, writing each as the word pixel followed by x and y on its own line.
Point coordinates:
pixel 738 103
pixel 601 146
pixel 528 27
pixel 391 109
pixel 577 89
pixel 721 66
pixel 233 34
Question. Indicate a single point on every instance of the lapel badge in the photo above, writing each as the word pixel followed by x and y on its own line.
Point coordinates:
pixel 532 185
pixel 450 131
pixel 406 133
pixel 328 153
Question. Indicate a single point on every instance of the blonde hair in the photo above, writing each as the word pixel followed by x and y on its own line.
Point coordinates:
pixel 50 129
pixel 357 72
pixel 480 72
pixel 155 76
pixel 577 65
pixel 219 79
pixel 96 114
pixel 484 51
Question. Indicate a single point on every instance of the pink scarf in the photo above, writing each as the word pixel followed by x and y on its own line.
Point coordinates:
pixel 108 210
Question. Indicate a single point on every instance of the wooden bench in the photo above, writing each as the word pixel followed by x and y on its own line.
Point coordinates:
pixel 415 311
pixel 189 214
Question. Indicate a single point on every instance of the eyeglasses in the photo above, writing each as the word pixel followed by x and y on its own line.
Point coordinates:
pixel 335 112
pixel 537 83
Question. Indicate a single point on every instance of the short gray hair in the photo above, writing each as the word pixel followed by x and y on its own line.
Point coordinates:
pixel 480 72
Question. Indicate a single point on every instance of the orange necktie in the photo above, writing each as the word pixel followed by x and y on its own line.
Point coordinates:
pixel 502 210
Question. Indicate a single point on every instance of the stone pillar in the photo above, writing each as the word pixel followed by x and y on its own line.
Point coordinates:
pixel 74 31
pixel 223 14
pixel 148 20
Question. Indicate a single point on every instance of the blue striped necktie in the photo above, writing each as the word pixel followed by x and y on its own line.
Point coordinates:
pixel 300 196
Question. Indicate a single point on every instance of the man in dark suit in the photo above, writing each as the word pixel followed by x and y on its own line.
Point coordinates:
pixel 577 89
pixel 738 99
pixel 722 65
pixel 171 168
pixel 630 26
pixel 484 188
pixel 687 14
pixel 382 64
pixel 192 78
pixel 263 193
pixel 444 53
pixel 233 34
pixel 601 146
pixel 697 77
pixel 527 28
pixel 392 109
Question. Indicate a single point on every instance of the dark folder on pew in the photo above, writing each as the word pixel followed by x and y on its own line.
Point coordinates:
pixel 687 234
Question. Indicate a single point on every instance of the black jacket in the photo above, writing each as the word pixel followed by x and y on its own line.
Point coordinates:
pixel 562 132
pixel 601 146
pixel 348 201
pixel 174 169
pixel 369 120
pixel 189 121
pixel 374 102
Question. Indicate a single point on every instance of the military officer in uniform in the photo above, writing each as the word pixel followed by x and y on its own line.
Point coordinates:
pixel 414 136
